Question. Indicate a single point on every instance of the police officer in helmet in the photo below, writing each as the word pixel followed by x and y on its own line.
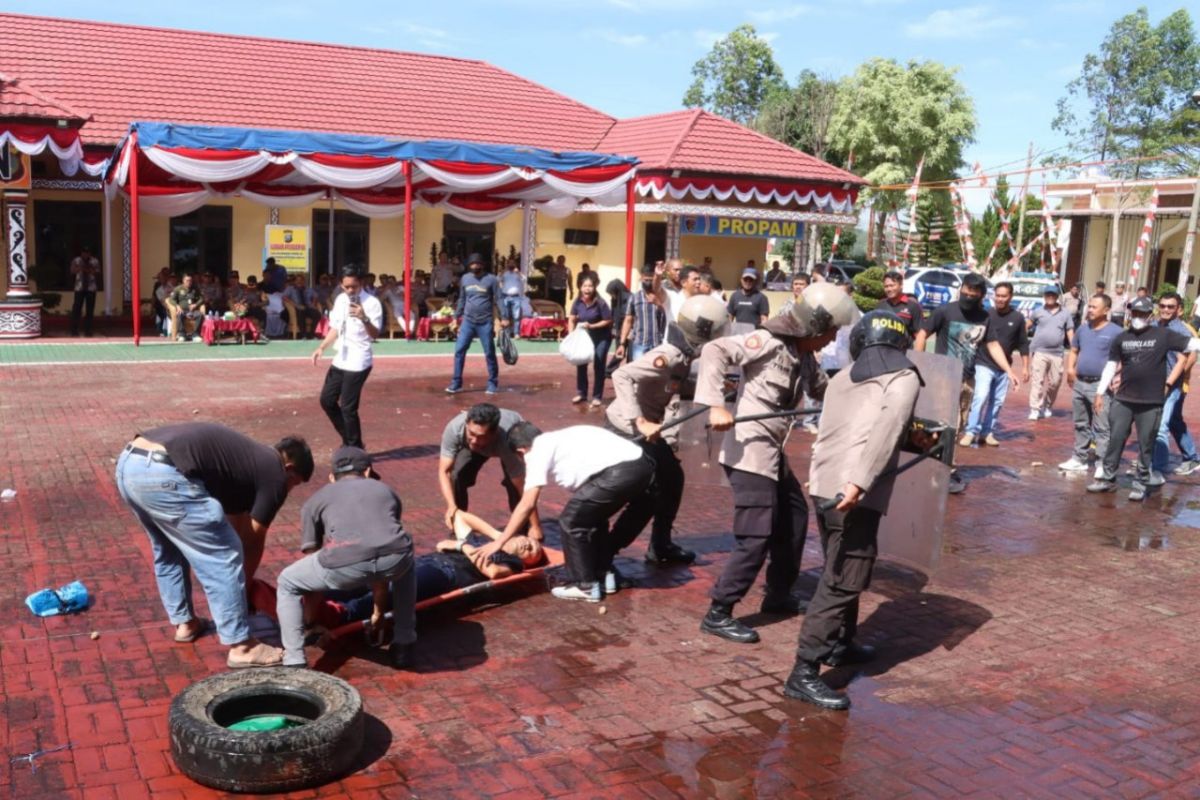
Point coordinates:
pixel 865 418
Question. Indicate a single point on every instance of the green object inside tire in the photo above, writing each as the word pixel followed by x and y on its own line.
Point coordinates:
pixel 265 724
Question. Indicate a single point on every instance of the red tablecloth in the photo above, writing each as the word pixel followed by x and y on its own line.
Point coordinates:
pixel 425 327
pixel 532 327
pixel 213 327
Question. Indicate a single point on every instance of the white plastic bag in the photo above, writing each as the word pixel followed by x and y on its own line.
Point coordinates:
pixel 577 348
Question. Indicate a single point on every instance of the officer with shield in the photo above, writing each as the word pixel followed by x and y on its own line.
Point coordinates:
pixel 779 367
pixel 647 390
pixel 866 417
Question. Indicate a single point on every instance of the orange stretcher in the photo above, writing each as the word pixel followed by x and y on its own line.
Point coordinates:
pixel 329 615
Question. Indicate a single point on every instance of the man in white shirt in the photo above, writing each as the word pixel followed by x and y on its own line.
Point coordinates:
pixel 354 323
pixel 606 474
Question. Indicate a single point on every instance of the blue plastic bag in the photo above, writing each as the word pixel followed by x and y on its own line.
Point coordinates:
pixel 67 600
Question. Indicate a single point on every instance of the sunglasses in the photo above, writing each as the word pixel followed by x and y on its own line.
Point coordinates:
pixel 1167 306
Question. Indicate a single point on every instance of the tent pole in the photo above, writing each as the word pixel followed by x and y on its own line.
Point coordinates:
pixel 409 333
pixel 629 201
pixel 329 266
pixel 135 243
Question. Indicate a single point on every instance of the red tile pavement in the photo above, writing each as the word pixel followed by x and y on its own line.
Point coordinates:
pixel 1051 656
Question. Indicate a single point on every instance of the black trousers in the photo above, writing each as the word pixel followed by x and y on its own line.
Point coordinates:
pixel 83 299
pixel 849 541
pixel 465 472
pixel 558 296
pixel 588 544
pixel 1122 417
pixel 339 399
pixel 668 474
pixel 770 517
pixel 307 320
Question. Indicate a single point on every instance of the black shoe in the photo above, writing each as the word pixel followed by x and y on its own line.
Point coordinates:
pixel 787 604
pixel 853 653
pixel 401 655
pixel 957 484
pixel 805 684
pixel 671 554
pixel 719 622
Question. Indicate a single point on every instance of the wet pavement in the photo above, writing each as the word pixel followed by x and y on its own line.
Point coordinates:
pixel 1053 654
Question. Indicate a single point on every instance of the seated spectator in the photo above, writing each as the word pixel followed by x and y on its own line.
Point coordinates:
pixel 164 284
pixel 273 305
pixel 420 292
pixel 307 314
pixel 210 287
pixel 352 538
pixel 253 300
pixel 368 286
pixel 394 293
pixel 320 295
pixel 186 303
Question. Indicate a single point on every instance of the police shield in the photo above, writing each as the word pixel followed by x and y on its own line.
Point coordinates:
pixel 911 530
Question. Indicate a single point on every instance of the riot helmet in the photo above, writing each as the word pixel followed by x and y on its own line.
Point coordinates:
pixel 701 319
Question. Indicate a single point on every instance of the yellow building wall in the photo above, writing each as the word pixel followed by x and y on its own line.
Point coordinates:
pixel 729 255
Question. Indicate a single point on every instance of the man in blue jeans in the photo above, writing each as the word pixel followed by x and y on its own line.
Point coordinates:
pixel 1170 308
pixel 1006 327
pixel 478 303
pixel 206 496
pixel 512 284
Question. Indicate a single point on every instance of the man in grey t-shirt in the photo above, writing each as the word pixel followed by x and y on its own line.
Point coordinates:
pixel 468 441
pixel 1051 329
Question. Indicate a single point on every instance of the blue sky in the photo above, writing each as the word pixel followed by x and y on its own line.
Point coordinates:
pixel 632 57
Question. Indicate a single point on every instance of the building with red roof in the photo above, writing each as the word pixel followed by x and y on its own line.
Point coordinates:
pixel 698 173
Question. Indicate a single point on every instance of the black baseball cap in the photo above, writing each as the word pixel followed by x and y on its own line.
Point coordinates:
pixel 350 459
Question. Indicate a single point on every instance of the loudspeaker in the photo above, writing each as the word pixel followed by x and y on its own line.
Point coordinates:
pixel 579 236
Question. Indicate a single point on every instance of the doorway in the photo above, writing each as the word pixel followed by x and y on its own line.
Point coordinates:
pixel 461 238
pixel 656 243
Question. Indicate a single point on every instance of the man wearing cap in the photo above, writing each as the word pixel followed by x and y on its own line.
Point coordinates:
pixel 1051 328
pixel 468 441
pixel 867 412
pixel 478 306
pixel 206 496
pixel 352 538
pixel 354 323
pixel 647 391
pixel 1141 354
pixel 747 305
pixel 770 514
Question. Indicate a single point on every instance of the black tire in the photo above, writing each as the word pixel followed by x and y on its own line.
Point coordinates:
pixel 323 748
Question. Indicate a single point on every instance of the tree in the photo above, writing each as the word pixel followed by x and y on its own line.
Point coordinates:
pixel 800 116
pixel 986 228
pixel 1132 99
pixel 890 115
pixel 735 77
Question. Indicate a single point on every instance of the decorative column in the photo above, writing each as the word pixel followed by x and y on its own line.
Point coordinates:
pixel 21 313
pixel 273 219
pixel 528 238
pixel 798 249
pixel 672 236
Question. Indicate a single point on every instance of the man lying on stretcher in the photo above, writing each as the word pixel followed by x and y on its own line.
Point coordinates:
pixel 457 564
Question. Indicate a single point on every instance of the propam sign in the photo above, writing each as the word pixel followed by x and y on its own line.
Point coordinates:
pixel 736 226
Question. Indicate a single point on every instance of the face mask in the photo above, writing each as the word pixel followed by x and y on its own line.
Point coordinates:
pixel 1139 323
pixel 968 303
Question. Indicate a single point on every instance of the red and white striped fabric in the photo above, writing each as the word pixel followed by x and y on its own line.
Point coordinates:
pixel 833 199
pixel 64 143
pixel 1144 241
pixel 912 194
pixel 962 226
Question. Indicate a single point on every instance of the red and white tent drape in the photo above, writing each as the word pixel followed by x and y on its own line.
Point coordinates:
pixel 64 143
pixel 832 199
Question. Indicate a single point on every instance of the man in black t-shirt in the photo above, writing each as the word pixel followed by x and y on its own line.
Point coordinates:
pixel 1141 354
pixel 206 496
pixel 747 304
pixel 1006 327
pixel 897 302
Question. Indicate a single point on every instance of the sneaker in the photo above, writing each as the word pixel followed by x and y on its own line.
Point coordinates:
pixel 1102 485
pixel 1047 413
pixel 491 390
pixel 671 554
pixel 966 440
pixel 991 441
pixel 612 581
pixel 453 390
pixel 1138 494
pixel 1073 464
pixel 578 591
pixel 956 484
pixel 1187 467
pixel 1099 474
pixel 1034 415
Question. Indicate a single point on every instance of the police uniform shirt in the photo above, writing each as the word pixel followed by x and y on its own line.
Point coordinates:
pixel 645 387
pixel 773 379
pixel 860 433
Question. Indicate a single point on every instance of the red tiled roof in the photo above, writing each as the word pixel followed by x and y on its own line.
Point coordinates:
pixel 123 73
pixel 19 99
pixel 700 141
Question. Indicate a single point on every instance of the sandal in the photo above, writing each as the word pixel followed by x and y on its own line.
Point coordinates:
pixel 596 402
pixel 259 657
pixel 577 399
pixel 203 626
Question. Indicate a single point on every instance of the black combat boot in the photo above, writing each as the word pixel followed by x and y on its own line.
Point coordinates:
pixel 805 684
pixel 719 621
pixel 782 603
pixel 852 653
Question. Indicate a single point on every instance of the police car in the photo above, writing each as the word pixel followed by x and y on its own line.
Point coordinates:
pixel 936 286
pixel 1029 289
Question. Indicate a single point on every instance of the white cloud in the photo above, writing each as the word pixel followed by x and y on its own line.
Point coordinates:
pixel 772 15
pixel 706 38
pixel 768 36
pixel 968 22
pixel 623 39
